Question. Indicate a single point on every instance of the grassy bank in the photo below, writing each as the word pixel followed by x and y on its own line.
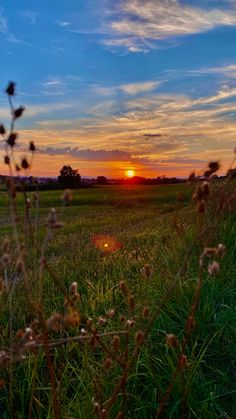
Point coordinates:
pixel 110 235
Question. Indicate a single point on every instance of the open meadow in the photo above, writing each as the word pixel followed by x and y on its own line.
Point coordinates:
pixel 119 324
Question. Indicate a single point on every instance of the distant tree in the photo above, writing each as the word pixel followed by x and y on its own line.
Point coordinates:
pixel 231 174
pixel 69 178
pixel 102 180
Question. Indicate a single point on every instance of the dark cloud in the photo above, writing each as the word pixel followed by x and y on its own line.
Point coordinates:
pixel 152 135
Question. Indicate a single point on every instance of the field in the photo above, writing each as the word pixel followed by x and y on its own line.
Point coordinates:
pixel 134 253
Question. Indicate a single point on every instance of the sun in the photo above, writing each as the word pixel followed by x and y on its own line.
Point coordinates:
pixel 130 173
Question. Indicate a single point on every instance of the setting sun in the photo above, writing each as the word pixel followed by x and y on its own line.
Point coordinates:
pixel 130 173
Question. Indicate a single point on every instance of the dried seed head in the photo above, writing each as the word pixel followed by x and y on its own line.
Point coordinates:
pixel 74 288
pixel 221 250
pixel 18 112
pixel 206 188
pixel 71 319
pixel 116 343
pixel 130 323
pixel 32 146
pixel 201 206
pixel 131 302
pixel 139 337
pixel 145 312
pixel 20 265
pixel 7 160
pixel 53 324
pixel 146 271
pixel 96 406
pixel 10 90
pixel 66 196
pixel 29 334
pixel 2 129
pixel 89 322
pixel 213 268
pixel 102 321
pixel 6 259
pixel 172 340
pixel 24 163
pixel 209 251
pixel 107 363
pixel 110 313
pixel 123 287
pixel 183 361
pixel 191 322
pixel 12 139
pixel 75 297
pixel 103 414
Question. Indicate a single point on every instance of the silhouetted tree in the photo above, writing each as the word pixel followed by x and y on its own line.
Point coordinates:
pixel 102 180
pixel 69 178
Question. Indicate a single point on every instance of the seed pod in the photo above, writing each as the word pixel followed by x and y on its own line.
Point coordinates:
pixel 213 268
pixel 131 302
pixel 18 112
pixel 2 129
pixel 7 160
pixel 201 207
pixel 139 337
pixel 145 312
pixel 32 146
pixel 10 90
pixel 116 343
pixel 24 163
pixel 107 363
pixel 172 340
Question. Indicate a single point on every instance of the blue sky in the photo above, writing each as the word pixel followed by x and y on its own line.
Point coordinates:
pixel 148 85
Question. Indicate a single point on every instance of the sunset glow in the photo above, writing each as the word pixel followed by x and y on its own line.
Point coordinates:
pixel 130 173
pixel 102 92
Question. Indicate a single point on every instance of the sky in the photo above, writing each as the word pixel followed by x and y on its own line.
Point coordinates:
pixel 147 85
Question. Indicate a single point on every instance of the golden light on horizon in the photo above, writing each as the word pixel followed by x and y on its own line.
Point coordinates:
pixel 130 173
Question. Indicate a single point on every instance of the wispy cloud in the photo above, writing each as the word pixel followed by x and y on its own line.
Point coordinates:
pixel 3 24
pixel 30 15
pixel 6 32
pixel 141 23
pixel 129 88
pixel 63 23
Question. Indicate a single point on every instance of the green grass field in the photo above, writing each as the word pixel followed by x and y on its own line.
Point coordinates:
pixel 154 225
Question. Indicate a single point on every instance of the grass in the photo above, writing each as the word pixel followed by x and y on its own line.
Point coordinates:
pixel 156 225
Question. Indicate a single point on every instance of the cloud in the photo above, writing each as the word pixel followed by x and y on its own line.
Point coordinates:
pixel 53 87
pixel 135 88
pixel 128 88
pixel 30 15
pixel 3 24
pixel 153 135
pixel 140 24
pixel 63 23
pixel 6 32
